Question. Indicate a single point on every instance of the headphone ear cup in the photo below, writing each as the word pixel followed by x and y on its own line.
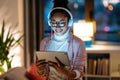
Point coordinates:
pixel 49 22
pixel 70 23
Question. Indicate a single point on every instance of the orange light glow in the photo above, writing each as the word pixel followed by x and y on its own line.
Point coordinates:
pixel 110 7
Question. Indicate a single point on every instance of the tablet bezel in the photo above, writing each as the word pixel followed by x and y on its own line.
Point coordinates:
pixel 62 56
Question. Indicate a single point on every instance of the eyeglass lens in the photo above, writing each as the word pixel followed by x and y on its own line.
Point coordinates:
pixel 58 24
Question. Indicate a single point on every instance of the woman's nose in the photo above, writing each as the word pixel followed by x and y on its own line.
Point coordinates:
pixel 57 26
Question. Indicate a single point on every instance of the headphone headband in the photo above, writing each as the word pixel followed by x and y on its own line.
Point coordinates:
pixel 71 17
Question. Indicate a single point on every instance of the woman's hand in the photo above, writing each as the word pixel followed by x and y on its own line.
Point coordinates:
pixel 59 67
pixel 42 67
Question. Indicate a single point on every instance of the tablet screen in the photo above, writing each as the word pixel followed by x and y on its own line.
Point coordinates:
pixel 50 56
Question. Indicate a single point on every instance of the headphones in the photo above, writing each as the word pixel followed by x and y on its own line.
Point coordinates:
pixel 70 22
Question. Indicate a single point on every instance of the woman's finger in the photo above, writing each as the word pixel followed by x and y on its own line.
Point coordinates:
pixel 41 72
pixel 41 66
pixel 60 63
pixel 41 62
pixel 53 64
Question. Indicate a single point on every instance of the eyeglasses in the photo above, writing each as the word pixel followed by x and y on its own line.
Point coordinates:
pixel 58 24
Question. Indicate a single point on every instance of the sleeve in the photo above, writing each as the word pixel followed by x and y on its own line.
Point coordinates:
pixel 77 74
pixel 33 75
pixel 42 45
pixel 80 57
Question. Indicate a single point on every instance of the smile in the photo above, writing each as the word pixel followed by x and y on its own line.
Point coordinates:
pixel 58 30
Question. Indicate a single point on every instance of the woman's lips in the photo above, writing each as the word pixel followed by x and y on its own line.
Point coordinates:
pixel 58 30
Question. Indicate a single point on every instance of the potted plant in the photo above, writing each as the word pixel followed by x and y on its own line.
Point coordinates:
pixel 6 42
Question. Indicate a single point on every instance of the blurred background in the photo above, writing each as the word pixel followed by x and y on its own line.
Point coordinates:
pixel 31 17
pixel 106 14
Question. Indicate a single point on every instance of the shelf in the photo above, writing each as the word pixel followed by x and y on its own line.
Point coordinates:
pixel 103 48
pixel 108 57
pixel 97 76
pixel 115 78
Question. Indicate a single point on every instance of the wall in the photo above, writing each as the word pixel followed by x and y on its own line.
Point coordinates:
pixel 9 13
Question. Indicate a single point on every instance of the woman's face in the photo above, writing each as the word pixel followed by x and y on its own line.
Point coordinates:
pixel 59 23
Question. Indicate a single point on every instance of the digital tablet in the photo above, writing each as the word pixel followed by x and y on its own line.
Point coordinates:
pixel 50 56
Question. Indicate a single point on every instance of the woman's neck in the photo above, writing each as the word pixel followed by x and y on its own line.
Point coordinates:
pixel 61 37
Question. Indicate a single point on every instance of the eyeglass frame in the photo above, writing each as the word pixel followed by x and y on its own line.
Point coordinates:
pixel 57 23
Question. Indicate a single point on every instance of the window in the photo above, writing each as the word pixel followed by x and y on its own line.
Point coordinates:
pixel 107 17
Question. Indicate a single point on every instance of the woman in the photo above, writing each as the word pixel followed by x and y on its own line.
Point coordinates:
pixel 62 39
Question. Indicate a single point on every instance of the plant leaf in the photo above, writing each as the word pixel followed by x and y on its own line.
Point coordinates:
pixel 2 32
pixel 8 34
pixel 17 41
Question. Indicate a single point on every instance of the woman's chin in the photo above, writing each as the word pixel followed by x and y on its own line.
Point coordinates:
pixel 59 34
